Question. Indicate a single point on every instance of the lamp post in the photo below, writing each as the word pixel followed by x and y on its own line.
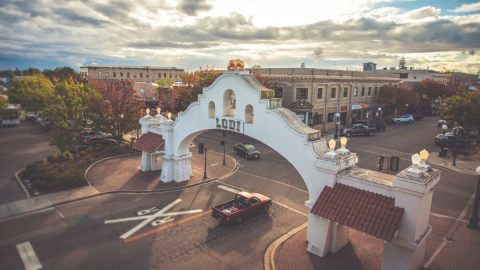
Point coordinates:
pixel 378 114
pixel 224 143
pixel 442 148
pixel 473 222
pixel 337 123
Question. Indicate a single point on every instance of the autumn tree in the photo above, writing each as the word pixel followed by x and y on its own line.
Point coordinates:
pixel 115 109
pixel 178 98
pixel 32 92
pixel 393 98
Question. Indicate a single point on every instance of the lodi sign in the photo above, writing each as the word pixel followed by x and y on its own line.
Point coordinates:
pixel 230 124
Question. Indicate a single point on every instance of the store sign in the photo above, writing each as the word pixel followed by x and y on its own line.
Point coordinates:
pixel 230 124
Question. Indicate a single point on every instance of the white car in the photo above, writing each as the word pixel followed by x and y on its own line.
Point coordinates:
pixel 12 122
pixel 403 119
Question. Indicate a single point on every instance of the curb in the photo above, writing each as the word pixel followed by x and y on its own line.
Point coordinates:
pixel 101 160
pixel 269 256
pixel 125 192
pixel 19 181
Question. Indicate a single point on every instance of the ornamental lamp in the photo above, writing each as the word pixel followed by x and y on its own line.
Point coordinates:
pixel 169 115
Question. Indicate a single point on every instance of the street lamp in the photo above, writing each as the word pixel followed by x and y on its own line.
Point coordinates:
pixel 224 143
pixel 442 148
pixel 337 123
pixel 473 222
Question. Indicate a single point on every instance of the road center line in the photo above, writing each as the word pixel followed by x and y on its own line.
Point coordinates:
pixel 228 189
pixel 271 180
pixel 28 256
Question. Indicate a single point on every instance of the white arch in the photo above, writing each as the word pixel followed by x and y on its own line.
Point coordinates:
pixel 249 114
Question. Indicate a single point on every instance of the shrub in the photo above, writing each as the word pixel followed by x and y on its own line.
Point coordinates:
pixel 82 153
pixel 67 156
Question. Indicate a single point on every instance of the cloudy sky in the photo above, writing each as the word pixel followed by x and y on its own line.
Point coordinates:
pixel 341 34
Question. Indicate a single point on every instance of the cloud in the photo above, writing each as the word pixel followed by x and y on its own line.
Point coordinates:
pixel 467 8
pixel 424 12
pixel 193 7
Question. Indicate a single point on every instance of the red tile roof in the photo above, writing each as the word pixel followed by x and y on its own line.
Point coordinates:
pixel 358 209
pixel 149 142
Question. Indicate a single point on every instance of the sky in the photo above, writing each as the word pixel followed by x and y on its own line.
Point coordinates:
pixel 340 34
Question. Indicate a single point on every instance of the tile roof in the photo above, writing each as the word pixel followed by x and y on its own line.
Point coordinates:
pixel 358 209
pixel 149 142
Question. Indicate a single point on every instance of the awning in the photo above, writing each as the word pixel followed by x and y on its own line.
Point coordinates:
pixel 149 142
pixel 362 210
pixel 359 106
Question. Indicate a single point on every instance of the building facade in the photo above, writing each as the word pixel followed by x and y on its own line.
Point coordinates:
pixel 317 95
pixel 411 78
pixel 144 74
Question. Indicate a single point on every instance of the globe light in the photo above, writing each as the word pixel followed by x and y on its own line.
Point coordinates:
pixel 424 155
pixel 159 110
pixel 331 144
pixel 416 159
pixel 169 114
pixel 343 141
pixel 147 111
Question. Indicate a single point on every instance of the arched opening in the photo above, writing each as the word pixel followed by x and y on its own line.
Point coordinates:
pixel 249 114
pixel 229 103
pixel 211 109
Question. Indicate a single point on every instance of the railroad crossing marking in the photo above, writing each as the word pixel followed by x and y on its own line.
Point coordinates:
pixel 28 256
pixel 141 215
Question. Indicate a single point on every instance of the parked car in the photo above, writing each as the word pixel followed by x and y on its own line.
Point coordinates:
pixel 418 117
pixel 378 126
pixel 87 132
pixel 98 140
pixel 46 124
pixel 10 122
pixel 247 150
pixel 442 122
pixel 243 205
pixel 403 119
pixel 359 129
pixel 449 140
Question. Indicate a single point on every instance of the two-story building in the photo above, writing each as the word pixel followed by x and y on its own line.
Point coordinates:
pixel 317 95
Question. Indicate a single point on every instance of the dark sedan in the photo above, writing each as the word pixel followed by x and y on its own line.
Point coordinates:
pixel 247 150
pixel 99 140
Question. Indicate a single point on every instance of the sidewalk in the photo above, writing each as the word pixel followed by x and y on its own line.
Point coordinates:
pixel 464 164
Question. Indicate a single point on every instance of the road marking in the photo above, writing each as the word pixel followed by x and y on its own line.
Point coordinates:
pixel 271 180
pixel 449 233
pixel 60 214
pixel 150 219
pixel 28 256
pixel 165 227
pixel 228 189
pixel 449 217
pixel 145 217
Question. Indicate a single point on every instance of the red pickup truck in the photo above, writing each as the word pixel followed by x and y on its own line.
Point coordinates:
pixel 243 205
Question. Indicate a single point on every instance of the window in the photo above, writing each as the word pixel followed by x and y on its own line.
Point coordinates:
pixel 363 91
pixel 229 103
pixel 211 109
pixel 376 90
pixel 249 114
pixel 107 74
pixel 147 75
pixel 333 93
pixel 164 75
pixel 159 75
pixel 99 75
pixel 121 74
pixel 345 92
pixel 114 74
pixel 330 117
pixel 128 74
pixel 319 93
pixel 279 92
pixel 369 91
pixel 141 75
pixel 355 92
pixel 175 75
pixel 302 93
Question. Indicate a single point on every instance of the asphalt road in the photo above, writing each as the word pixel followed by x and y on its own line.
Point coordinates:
pixel 74 236
pixel 20 146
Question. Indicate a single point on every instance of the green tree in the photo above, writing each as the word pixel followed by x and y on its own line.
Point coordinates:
pixel 464 110
pixel 3 102
pixel 32 92
pixel 116 109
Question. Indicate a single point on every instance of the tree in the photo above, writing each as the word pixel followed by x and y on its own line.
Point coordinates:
pixel 464 110
pixel 393 98
pixel 32 92
pixel 115 109
pixel 3 102
pixel 68 110
pixel 402 63
pixel 178 98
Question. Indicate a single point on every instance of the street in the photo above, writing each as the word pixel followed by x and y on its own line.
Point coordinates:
pixel 74 236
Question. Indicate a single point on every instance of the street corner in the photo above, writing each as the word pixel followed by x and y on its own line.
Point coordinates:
pixel 124 173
